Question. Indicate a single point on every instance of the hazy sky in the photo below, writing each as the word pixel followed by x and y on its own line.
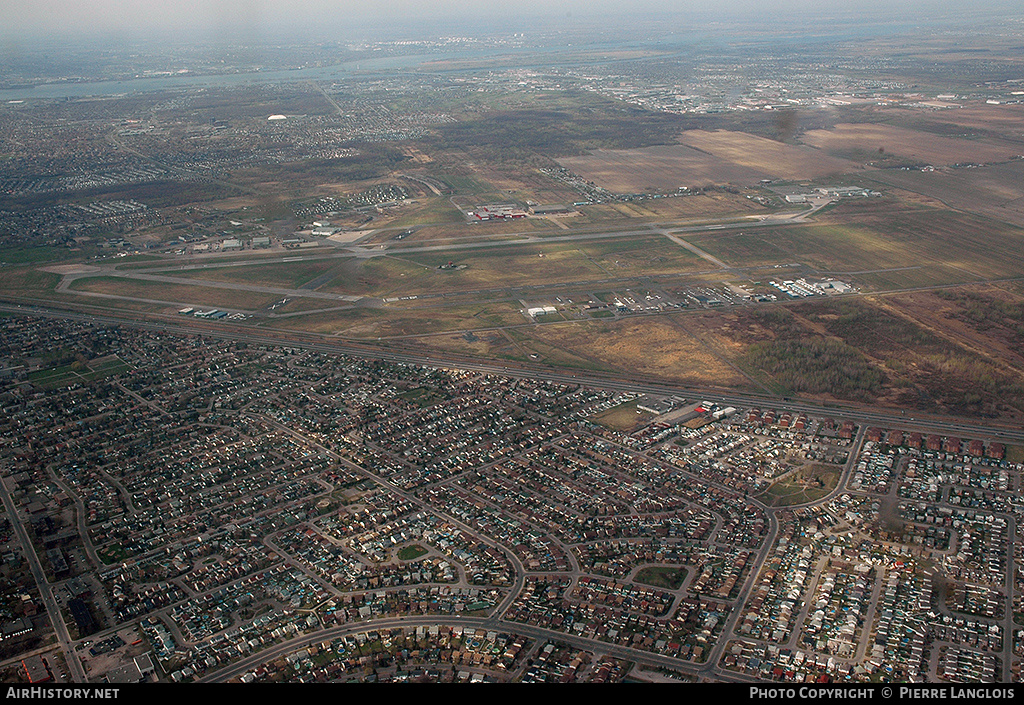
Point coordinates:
pixel 267 17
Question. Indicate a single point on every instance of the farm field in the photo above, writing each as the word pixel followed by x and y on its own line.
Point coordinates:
pixel 775 160
pixel 970 119
pixel 876 141
pixel 665 167
pixel 996 191
pixel 702 158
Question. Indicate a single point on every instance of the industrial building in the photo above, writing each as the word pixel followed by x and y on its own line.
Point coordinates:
pixel 497 212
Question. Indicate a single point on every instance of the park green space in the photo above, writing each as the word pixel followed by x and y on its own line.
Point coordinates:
pixel 409 553
pixel 77 372
pixel 667 577
pixel 803 485
pixel 421 397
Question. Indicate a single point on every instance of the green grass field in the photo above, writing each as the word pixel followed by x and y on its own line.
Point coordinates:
pixel 642 256
pixel 665 577
pixel 428 211
pixel 1015 454
pixel 421 397
pixel 410 553
pixel 39 255
pixel 807 484
pixel 509 266
pixel 27 280
pixel 77 372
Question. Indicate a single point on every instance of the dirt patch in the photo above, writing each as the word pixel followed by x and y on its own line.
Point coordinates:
pixel 649 347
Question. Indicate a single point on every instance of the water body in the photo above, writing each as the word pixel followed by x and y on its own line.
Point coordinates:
pixel 52 91
pixel 718 41
pixel 532 56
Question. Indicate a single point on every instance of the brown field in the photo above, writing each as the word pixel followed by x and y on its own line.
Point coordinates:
pixel 996 191
pixel 624 417
pixel 927 364
pixel 774 159
pixel 485 344
pixel 661 168
pixel 943 242
pixel 733 331
pixel 416 155
pixel 704 158
pixel 638 256
pixel 915 145
pixel 1002 120
pixel 647 346
pixel 523 184
pixel 176 294
pixel 397 322
pixel 353 323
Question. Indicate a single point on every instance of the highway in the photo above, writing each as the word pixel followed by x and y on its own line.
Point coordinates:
pixel 861 414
